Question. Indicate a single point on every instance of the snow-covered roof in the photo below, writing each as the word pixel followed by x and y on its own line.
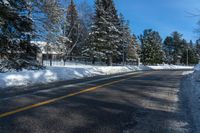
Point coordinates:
pixel 45 47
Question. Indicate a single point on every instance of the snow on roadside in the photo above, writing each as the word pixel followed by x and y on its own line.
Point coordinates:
pixel 52 74
pixel 170 67
pixel 196 74
pixel 192 92
pixel 187 72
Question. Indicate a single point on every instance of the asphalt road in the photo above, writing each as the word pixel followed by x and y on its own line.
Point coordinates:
pixel 148 102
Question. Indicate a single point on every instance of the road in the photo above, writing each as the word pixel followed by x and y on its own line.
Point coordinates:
pixel 143 102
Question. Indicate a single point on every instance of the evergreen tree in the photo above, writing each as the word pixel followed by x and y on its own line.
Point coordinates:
pixel 169 50
pixel 72 30
pixel 197 49
pixel 189 55
pixel 174 46
pixel 105 35
pixel 16 29
pixel 178 46
pixel 125 41
pixel 152 52
pixel 134 50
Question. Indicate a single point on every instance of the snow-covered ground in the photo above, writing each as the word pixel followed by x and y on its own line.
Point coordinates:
pixel 191 88
pixel 52 74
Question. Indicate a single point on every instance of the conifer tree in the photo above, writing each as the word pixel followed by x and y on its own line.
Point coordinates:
pixel 125 39
pixel 189 56
pixel 152 52
pixel 105 35
pixel 197 49
pixel 134 50
pixel 72 30
pixel 174 46
pixel 16 29
pixel 178 46
pixel 169 50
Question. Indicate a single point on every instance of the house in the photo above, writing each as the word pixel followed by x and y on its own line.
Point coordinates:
pixel 48 52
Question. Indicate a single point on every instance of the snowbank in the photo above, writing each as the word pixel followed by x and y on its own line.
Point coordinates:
pixel 197 67
pixel 192 91
pixel 170 67
pixel 196 74
pixel 52 74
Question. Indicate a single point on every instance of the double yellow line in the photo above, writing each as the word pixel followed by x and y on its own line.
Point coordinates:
pixel 58 99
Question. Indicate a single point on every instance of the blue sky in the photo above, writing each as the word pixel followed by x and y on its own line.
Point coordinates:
pixel 164 16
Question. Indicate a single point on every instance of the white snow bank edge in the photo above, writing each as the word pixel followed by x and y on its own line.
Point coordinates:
pixel 54 74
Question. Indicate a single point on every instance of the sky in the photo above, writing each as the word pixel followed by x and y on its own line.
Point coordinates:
pixel 164 16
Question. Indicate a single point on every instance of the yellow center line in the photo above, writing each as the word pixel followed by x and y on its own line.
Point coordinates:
pixel 56 99
pixel 9 113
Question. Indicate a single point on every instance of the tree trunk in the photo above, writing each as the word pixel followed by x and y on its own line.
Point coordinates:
pixel 93 61
pixel 109 60
pixel 51 60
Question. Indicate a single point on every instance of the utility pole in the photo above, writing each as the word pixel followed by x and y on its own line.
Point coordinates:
pixel 187 58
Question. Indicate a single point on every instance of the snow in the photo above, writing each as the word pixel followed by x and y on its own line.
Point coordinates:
pixel 5 2
pixel 187 72
pixel 191 86
pixel 196 74
pixel 197 67
pixel 52 48
pixel 173 67
pixel 53 74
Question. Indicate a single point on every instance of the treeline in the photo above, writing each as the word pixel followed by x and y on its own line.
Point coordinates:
pixel 78 30
pixel 174 49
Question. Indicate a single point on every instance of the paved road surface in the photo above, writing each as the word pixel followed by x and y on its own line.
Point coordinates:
pixel 146 102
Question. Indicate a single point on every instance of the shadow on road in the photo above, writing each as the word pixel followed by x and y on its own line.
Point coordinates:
pixel 139 105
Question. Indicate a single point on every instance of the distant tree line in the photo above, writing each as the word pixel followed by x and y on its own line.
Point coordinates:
pixel 101 35
pixel 173 50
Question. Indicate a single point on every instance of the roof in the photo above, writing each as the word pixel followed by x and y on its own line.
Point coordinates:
pixel 48 48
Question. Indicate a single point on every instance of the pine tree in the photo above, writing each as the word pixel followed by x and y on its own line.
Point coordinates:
pixel 16 29
pixel 169 50
pixel 197 49
pixel 105 35
pixel 174 47
pixel 152 52
pixel 134 50
pixel 188 54
pixel 125 40
pixel 178 46
pixel 72 31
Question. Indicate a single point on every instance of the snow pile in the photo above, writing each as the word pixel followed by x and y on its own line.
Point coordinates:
pixel 194 102
pixel 52 74
pixel 191 86
pixel 170 67
pixel 196 74
pixel 197 67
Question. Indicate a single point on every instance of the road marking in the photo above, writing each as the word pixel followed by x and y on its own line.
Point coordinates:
pixel 58 98
pixel 67 86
